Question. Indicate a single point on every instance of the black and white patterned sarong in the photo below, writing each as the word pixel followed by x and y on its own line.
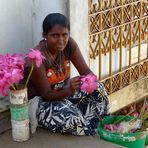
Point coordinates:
pixel 78 114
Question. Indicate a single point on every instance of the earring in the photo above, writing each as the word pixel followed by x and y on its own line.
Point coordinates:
pixel 45 39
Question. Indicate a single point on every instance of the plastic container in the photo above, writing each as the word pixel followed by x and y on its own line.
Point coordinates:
pixel 130 140
pixel 20 130
pixel 19 112
pixel 18 97
pixel 146 140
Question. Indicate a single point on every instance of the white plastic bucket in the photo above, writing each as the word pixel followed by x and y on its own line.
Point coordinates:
pixel 20 130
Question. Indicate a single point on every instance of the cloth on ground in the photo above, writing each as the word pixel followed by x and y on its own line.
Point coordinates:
pixel 33 109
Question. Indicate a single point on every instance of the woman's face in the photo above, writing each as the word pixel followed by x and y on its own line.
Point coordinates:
pixel 57 38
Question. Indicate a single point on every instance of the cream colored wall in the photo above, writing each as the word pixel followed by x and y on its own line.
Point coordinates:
pixel 129 94
pixel 40 9
pixel 21 22
pixel 15 26
pixel 78 15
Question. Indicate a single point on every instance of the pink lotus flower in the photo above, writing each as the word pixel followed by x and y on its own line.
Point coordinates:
pixel 12 69
pixel 16 75
pixel 4 90
pixel 89 83
pixel 135 114
pixel 4 84
pixel 111 127
pixel 36 56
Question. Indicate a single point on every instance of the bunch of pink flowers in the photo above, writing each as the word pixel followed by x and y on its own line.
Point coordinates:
pixel 12 69
pixel 89 83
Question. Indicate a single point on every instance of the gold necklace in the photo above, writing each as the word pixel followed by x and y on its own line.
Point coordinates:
pixel 58 66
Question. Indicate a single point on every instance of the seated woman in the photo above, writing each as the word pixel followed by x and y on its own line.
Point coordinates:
pixel 62 106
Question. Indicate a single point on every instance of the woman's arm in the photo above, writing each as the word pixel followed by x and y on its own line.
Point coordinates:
pixel 41 84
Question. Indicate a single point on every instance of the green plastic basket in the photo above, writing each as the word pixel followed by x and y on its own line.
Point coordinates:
pixel 146 140
pixel 130 140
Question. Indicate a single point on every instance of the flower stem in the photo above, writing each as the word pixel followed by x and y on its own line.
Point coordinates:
pixel 28 78
pixel 121 119
pixel 13 87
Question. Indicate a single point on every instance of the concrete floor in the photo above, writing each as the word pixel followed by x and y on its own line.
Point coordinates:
pixel 43 139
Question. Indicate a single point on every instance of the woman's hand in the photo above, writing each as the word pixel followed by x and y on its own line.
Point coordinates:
pixel 73 84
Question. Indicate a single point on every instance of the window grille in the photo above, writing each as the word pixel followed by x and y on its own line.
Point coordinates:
pixel 118 35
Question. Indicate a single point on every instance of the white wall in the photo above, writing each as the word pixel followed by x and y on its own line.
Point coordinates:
pixel 40 9
pixel 78 10
pixel 21 22
pixel 15 26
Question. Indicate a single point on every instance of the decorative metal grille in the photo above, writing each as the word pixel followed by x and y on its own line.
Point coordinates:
pixel 116 25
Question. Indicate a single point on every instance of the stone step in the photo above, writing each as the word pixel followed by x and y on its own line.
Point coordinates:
pixel 4 104
pixel 5 124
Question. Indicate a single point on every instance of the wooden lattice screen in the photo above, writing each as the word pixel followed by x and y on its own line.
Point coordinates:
pixel 116 25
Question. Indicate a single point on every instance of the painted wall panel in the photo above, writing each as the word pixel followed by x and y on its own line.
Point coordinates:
pixel 15 26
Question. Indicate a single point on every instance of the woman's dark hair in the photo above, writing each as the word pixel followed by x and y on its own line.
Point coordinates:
pixel 55 19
